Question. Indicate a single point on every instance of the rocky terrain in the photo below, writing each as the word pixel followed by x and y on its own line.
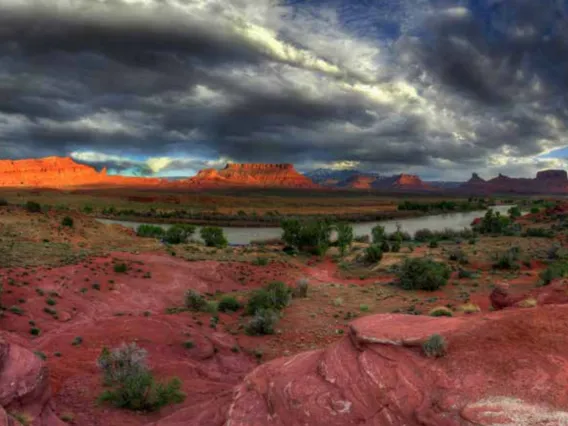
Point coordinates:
pixel 545 182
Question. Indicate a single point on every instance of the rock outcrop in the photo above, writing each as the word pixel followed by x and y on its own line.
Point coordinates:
pixel 504 368
pixel 265 175
pixel 546 181
pixel 403 182
pixel 554 293
pixel 24 388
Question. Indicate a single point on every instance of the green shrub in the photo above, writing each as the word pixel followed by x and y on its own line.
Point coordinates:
pixel 463 273
pixel 262 322
pixel 195 301
pixel 395 247
pixel 378 233
pixel 67 221
pixel 344 237
pixel 385 247
pixel 77 341
pixel 514 212
pixel 362 239
pixel 179 233
pixel 132 385
pixel 441 311
pixel 213 237
pixel 261 261
pixel 538 233
pixel 311 236
pixel 507 260
pixel 459 256
pixel 229 304
pixel 150 231
pixel 435 346
pixel 34 331
pixel 120 268
pixel 188 344
pixel 3 202
pixel 373 254
pixel 554 271
pixel 274 296
pixel 423 235
pixel 33 207
pixel 535 210
pixel 423 274
pixel 433 244
pixel 87 209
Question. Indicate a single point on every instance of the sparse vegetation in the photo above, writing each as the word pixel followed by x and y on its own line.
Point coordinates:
pixel 120 268
pixel 469 308
pixel 179 233
pixel 275 296
pixel 195 301
pixel 373 254
pixel 301 289
pixel 214 237
pixel 344 237
pixel 507 260
pixel 33 207
pixel 435 346
pixel 423 274
pixel 67 221
pixel 229 304
pixel 440 311
pixel 307 236
pixel 554 271
pixel 262 322
pixel 132 384
pixel 150 231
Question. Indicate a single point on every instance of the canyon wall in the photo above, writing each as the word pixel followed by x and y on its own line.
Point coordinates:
pixel 545 182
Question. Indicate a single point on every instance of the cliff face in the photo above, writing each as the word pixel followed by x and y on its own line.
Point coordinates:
pixel 271 175
pixel 61 172
pixel 546 181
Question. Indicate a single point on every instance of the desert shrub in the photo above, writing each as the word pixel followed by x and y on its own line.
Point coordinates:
pixel 214 237
pixel 274 296
pixel 195 301
pixel 395 246
pixel 435 346
pixel 441 311
pixel 385 247
pixel 378 233
pixel 132 384
pixel 459 256
pixel 495 223
pixel 423 235
pixel 423 274
pixel 362 239
pixel 3 202
pixel 399 236
pixel 262 322
pixel 556 252
pixel 301 289
pixel 67 221
pixel 507 259
pixel 344 237
pixel 514 212
pixel 261 261
pixel 33 207
pixel 150 231
pixel 120 268
pixel 463 273
pixel 433 244
pixel 535 210
pixel 554 271
pixel 373 254
pixel 313 236
pixel 469 308
pixel 179 233
pixel 229 304
pixel 538 233
pixel 531 302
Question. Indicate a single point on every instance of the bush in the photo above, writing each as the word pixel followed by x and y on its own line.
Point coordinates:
pixel 554 271
pixel 395 247
pixel 150 231
pixel 179 233
pixel 535 210
pixel 213 237
pixel 538 233
pixel 274 296
pixel 195 301
pixel 133 385
pixel 344 237
pixel 362 239
pixel 469 308
pixel 433 244
pixel 378 233
pixel 229 304
pixel 373 254
pixel 423 274
pixel 262 323
pixel 385 247
pixel 301 289
pixel 120 268
pixel 514 212
pixel 459 256
pixel 507 259
pixel 423 235
pixel 435 346
pixel 441 311
pixel 33 207
pixel 261 261
pixel 67 221
pixel 3 202
pixel 312 236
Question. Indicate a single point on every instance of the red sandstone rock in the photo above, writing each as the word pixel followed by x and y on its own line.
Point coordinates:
pixel 554 293
pixel 24 387
pixel 359 182
pixel 546 181
pixel 277 175
pixel 508 367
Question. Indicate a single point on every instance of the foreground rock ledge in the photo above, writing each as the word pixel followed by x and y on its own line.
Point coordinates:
pixel 24 387
pixel 504 368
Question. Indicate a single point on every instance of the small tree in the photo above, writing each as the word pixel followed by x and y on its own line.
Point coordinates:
pixel 213 237
pixel 310 236
pixel 344 237
pixel 373 254
pixel 514 212
pixel 178 234
pixel 379 234
pixel 423 274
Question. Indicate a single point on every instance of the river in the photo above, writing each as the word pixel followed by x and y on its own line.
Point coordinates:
pixel 239 236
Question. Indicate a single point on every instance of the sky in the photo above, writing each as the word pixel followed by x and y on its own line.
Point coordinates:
pixel 440 88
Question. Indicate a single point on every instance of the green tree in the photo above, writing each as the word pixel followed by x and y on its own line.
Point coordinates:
pixel 379 234
pixel 214 236
pixel 344 237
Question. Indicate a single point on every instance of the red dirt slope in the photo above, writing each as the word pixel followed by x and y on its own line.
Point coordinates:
pixel 500 369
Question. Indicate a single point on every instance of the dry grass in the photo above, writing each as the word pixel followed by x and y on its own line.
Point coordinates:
pixel 469 308
pixel 440 311
pixel 528 303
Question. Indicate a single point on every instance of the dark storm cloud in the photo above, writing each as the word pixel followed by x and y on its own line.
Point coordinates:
pixel 118 78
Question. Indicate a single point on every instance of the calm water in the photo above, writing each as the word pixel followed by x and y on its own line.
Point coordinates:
pixel 435 222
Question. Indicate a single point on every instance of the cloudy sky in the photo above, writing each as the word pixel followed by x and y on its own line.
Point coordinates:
pixel 434 87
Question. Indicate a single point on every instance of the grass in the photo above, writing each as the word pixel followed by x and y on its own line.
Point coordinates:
pixel 469 308
pixel 16 310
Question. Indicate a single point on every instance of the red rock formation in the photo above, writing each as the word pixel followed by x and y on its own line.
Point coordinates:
pixel 507 367
pixel 359 182
pixel 554 293
pixel 403 182
pixel 269 175
pixel 24 387
pixel 546 181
